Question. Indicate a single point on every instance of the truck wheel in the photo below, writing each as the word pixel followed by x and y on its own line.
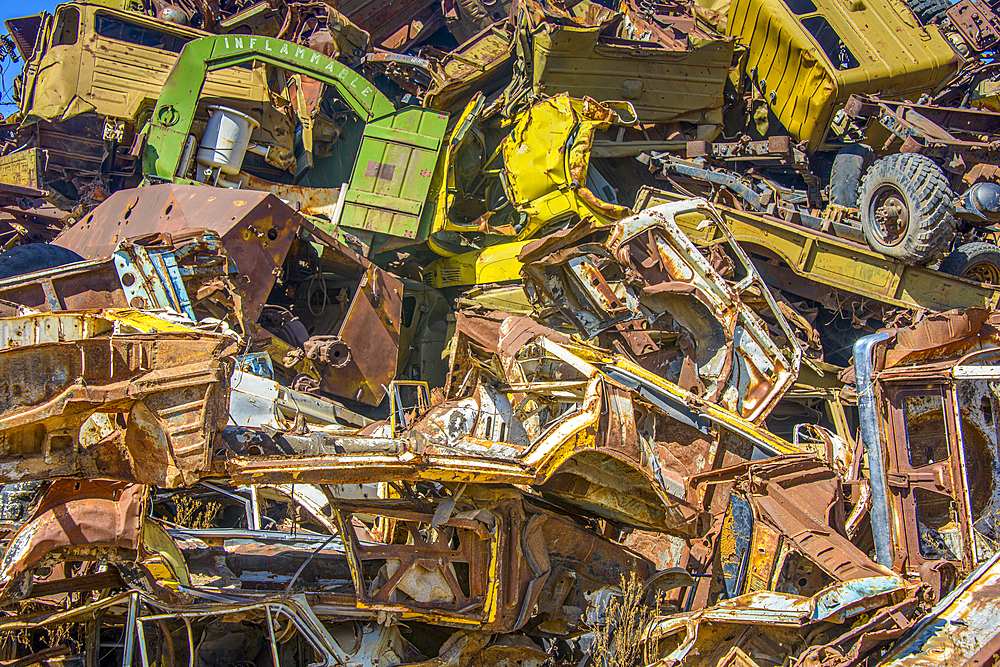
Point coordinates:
pixel 928 10
pixel 32 257
pixel 977 261
pixel 905 208
pixel 845 179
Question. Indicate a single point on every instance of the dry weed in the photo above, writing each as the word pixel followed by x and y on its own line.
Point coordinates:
pixel 618 638
pixel 196 514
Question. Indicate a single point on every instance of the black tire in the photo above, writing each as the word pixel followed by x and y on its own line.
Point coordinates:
pixel 928 11
pixel 849 166
pixel 905 207
pixel 32 257
pixel 977 261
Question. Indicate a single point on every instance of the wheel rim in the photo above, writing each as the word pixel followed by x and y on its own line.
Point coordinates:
pixel 983 272
pixel 890 215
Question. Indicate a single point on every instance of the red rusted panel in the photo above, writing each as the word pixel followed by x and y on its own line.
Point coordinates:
pixel 381 18
pixel 96 518
pixel 257 229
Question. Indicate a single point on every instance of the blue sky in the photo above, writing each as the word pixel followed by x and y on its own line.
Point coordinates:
pixel 13 9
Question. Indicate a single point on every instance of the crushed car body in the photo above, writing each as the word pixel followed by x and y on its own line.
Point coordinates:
pixel 499 332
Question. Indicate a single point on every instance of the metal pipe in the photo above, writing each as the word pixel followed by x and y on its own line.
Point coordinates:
pixel 129 630
pixel 270 630
pixel 259 150
pixel 255 507
pixel 190 638
pixel 871 436
pixel 140 631
pixel 248 504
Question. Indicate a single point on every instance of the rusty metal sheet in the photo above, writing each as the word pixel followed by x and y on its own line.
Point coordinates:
pixel 83 520
pixel 940 336
pixel 960 630
pixel 305 200
pixel 977 22
pixel 381 18
pixel 256 228
pixel 370 331
pixel 150 272
pixel 62 400
pixel 480 64
pixel 354 310
pixel 666 79
pixel 784 531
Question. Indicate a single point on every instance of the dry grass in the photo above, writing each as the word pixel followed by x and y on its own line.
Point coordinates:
pixel 618 640
pixel 196 514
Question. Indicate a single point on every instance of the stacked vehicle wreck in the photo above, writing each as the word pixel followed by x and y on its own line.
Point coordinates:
pixel 192 507
pixel 471 333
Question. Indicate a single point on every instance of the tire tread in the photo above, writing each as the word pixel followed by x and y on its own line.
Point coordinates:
pixel 958 262
pixel 923 182
pixel 32 257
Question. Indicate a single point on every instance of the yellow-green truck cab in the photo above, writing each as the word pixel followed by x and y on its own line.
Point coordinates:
pixel 92 74
pixel 95 74
pixel 91 57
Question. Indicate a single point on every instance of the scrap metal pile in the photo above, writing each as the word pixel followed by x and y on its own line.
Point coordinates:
pixel 517 333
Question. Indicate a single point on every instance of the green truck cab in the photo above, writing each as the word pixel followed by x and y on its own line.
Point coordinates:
pixel 91 78
pixel 396 151
pixel 94 74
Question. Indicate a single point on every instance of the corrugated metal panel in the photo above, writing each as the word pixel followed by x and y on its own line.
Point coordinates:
pixel 118 77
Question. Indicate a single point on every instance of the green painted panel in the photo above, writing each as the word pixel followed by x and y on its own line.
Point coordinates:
pixel 392 175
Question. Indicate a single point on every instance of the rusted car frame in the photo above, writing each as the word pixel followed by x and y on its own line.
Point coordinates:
pixel 486 560
pixel 142 406
pixel 961 629
pixel 662 272
pixel 146 273
pixel 959 136
pixel 473 454
pixel 783 530
pixel 487 432
pixel 815 262
pixel 927 407
pixel 777 625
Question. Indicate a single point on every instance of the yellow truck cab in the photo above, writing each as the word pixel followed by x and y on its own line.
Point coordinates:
pixel 808 57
